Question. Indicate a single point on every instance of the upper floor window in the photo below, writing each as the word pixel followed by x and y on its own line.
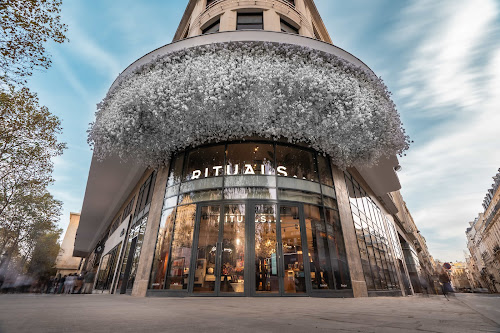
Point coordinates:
pixel 250 21
pixel 287 27
pixel 209 2
pixel 214 27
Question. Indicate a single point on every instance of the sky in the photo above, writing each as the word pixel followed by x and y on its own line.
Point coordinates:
pixel 440 60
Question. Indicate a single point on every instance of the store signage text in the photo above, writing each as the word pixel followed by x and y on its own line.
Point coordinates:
pixel 247 169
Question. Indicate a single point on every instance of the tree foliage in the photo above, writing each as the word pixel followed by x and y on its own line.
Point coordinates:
pixel 25 27
pixel 28 138
pixel 28 142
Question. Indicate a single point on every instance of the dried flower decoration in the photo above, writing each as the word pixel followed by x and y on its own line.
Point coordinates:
pixel 232 90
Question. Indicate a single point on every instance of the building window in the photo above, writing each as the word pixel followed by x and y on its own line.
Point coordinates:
pixel 287 27
pixel 145 194
pixel 250 21
pixel 209 2
pixel 378 255
pixel 214 27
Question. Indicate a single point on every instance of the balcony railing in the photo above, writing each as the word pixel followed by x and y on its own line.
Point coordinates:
pixel 215 7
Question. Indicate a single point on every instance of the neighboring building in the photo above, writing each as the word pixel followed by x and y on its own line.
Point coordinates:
pixel 252 118
pixel 459 277
pixel 483 242
pixel 66 263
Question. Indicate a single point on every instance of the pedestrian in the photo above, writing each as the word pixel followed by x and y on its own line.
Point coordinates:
pixel 60 287
pixel 445 282
pixel 78 284
pixel 88 280
pixel 69 284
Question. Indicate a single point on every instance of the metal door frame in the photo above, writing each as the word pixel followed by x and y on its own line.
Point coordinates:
pixel 218 259
pixel 280 257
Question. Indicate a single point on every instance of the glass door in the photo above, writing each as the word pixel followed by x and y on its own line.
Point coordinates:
pixel 279 251
pixel 293 252
pixel 220 252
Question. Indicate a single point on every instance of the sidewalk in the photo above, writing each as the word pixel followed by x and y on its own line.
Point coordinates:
pixel 120 313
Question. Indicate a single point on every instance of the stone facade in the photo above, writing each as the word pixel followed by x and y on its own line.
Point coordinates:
pixel 66 263
pixel 382 242
pixel 483 242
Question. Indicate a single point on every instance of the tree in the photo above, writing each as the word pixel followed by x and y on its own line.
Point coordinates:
pixel 25 27
pixel 42 262
pixel 28 136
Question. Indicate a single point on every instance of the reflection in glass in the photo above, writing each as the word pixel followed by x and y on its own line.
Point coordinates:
pixel 266 261
pixel 204 276
pixel 137 236
pixel 178 274
pixel 325 173
pixel 336 245
pixel 162 249
pixel 175 175
pixel 250 158
pixel 299 163
pixel 294 277
pixel 300 196
pixel 204 162
pixel 233 250
pixel 249 193
pixel 373 238
pixel 319 252
pixel 209 195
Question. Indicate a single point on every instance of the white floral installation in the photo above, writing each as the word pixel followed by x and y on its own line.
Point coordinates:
pixel 232 90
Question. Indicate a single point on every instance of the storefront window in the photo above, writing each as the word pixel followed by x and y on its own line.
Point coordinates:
pixel 175 175
pixel 250 193
pixel 208 241
pixel 266 264
pixel 293 254
pixel 219 184
pixel 178 274
pixel 233 250
pixel 250 159
pixel 160 260
pixel 204 163
pixel 300 163
pixel 319 252
pixel 373 239
pixel 336 245
pixel 325 171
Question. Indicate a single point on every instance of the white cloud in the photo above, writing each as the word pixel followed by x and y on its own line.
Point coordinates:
pixel 444 63
pixel 93 54
pixel 454 73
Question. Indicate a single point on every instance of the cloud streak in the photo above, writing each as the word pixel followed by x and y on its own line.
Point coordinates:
pixel 451 81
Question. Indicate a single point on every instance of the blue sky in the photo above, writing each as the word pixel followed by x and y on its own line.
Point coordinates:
pixel 440 59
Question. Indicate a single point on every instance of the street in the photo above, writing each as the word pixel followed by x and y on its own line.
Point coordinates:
pixel 120 313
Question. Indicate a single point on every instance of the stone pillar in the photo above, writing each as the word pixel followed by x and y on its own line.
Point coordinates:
pixel 271 20
pixel 351 243
pixel 228 21
pixel 150 235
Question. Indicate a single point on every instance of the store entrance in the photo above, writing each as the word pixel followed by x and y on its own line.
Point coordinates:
pixel 250 249
pixel 219 265
pixel 279 251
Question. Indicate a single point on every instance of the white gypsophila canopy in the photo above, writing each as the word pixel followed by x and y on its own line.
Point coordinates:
pixel 233 90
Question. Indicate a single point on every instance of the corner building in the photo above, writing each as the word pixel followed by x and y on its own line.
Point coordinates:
pixel 247 208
